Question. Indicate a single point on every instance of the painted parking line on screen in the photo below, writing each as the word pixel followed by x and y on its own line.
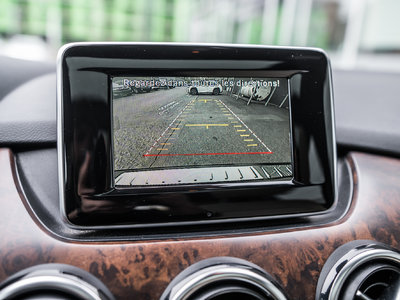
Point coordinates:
pixel 241 130
pixel 206 125
pixel 168 128
pixel 180 122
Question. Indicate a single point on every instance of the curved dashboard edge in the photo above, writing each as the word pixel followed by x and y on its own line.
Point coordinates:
pixel 36 173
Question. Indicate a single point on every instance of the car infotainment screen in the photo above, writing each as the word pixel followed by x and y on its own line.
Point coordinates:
pixel 189 130
pixel 166 135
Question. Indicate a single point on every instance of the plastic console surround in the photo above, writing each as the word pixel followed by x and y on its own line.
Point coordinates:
pixel 88 196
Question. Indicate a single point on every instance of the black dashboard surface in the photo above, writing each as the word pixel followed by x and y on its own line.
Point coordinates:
pixel 15 72
pixel 366 108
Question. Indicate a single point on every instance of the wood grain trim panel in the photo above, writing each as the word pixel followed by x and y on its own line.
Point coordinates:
pixel 142 270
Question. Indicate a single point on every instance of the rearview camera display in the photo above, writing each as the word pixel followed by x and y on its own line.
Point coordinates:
pixel 188 130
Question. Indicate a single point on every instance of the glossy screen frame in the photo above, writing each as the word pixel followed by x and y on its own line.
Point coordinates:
pixel 87 193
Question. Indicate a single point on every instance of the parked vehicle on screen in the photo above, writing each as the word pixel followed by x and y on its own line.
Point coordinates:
pixel 208 88
pixel 120 90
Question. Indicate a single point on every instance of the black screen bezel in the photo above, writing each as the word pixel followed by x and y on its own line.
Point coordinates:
pixel 87 190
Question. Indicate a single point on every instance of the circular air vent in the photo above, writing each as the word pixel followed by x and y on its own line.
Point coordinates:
pixel 56 282
pixel 375 281
pixel 360 270
pixel 223 278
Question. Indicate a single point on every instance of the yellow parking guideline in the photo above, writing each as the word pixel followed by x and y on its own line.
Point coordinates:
pixel 161 149
pixel 252 145
pixel 205 125
pixel 175 128
pixel 245 135
pixel 165 143
pixel 241 130
pixel 237 125
pixel 248 140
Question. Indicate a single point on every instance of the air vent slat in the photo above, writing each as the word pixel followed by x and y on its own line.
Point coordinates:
pixel 361 296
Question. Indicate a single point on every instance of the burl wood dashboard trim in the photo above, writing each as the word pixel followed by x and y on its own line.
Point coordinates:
pixel 143 269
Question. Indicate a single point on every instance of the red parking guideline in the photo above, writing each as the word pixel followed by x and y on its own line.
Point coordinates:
pixel 194 154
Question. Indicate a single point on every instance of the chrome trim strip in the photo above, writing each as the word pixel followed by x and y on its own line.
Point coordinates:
pixel 64 283
pixel 364 256
pixel 60 130
pixel 213 274
pixel 74 44
pixel 332 108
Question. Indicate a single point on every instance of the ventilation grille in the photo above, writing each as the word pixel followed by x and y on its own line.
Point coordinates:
pixel 223 278
pixel 230 290
pixel 361 270
pixel 55 282
pixel 375 282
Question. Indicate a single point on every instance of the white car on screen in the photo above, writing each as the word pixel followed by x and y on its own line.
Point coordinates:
pixel 210 88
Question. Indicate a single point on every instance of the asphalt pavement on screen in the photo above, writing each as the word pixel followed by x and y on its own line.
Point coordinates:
pixel 170 128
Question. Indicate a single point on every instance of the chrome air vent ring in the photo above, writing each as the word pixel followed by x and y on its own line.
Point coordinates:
pixel 222 277
pixel 54 281
pixel 349 262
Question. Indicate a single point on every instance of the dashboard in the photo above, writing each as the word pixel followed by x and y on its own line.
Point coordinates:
pixel 290 257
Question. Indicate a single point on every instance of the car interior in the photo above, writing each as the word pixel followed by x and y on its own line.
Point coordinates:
pixel 178 169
